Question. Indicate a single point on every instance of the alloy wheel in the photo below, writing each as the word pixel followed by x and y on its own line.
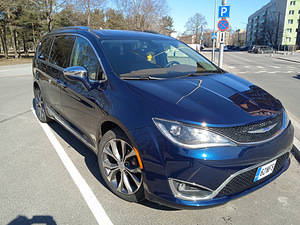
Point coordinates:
pixel 121 167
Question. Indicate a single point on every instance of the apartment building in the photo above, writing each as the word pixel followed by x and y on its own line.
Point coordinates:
pixel 275 23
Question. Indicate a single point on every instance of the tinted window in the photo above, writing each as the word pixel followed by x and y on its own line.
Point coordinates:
pixel 61 51
pixel 84 55
pixel 44 49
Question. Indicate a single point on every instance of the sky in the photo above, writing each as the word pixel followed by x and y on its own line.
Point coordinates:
pixel 240 10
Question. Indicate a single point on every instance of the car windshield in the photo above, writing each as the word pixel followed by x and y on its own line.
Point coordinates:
pixel 158 58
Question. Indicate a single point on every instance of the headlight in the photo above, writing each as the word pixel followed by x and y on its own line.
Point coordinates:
pixel 190 137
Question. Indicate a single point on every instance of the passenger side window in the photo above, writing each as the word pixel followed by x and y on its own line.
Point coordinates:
pixel 85 56
pixel 62 50
pixel 44 49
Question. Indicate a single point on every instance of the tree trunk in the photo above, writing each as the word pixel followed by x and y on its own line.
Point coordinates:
pixel 24 45
pixel 12 30
pixel 33 37
pixel 3 40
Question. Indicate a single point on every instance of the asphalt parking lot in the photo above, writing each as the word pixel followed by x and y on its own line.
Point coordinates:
pixel 49 177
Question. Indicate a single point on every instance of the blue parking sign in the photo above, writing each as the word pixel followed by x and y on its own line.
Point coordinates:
pixel 224 11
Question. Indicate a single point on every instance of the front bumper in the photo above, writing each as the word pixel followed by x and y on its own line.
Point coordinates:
pixel 227 172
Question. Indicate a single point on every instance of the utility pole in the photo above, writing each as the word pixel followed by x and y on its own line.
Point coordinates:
pixel 214 40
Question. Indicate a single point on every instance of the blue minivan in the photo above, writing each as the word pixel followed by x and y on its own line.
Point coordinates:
pixel 166 124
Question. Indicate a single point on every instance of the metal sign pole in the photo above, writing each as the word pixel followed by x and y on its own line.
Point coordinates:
pixel 214 40
pixel 201 36
pixel 221 49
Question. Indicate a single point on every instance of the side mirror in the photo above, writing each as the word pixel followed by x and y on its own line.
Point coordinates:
pixel 75 73
pixel 78 73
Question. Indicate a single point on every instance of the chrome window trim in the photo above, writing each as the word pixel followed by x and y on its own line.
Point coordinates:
pixel 216 192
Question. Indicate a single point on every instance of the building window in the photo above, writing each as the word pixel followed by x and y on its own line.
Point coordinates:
pixel 287 39
pixel 290 21
pixel 289 30
pixel 299 12
pixel 292 2
pixel 291 12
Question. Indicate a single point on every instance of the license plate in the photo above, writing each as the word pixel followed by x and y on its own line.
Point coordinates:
pixel 265 170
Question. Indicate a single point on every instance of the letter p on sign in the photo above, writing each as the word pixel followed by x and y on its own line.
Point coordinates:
pixel 224 11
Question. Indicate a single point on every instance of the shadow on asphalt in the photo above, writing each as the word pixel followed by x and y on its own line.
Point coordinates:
pixel 23 220
pixel 91 161
pixel 296 153
pixel 297 76
pixel 89 156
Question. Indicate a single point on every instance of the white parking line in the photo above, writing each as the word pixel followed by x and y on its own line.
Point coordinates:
pixel 273 72
pixel 247 67
pixel 88 195
pixel 231 67
pixel 260 67
pixel 289 72
pixel 263 71
pixel 276 67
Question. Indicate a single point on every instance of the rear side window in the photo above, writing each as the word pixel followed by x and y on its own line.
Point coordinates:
pixel 85 56
pixel 44 49
pixel 61 51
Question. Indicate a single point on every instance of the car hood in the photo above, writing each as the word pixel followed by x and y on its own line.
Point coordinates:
pixel 217 100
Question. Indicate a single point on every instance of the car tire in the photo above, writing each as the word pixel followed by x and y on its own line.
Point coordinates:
pixel 40 108
pixel 119 166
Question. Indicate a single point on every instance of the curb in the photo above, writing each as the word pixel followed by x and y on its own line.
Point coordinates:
pixel 288 60
pixel 296 149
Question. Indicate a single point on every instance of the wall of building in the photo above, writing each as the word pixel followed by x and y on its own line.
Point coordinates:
pixel 291 22
pixel 282 16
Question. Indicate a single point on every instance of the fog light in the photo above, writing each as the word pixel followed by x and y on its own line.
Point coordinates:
pixel 181 187
pixel 189 191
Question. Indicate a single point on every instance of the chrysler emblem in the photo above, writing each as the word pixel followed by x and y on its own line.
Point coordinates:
pixel 262 130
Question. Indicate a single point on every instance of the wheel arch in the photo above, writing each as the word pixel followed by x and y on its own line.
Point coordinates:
pixel 113 123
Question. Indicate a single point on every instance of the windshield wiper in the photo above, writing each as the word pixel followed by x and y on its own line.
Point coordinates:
pixel 201 73
pixel 141 78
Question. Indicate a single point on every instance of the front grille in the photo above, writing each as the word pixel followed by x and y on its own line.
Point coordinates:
pixel 241 133
pixel 244 181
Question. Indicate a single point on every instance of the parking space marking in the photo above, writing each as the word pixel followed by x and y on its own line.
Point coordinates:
pixel 264 71
pixel 231 67
pixel 88 195
pixel 260 67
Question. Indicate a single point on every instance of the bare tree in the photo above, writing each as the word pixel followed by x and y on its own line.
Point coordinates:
pixel 271 30
pixel 194 24
pixel 141 14
pixel 88 7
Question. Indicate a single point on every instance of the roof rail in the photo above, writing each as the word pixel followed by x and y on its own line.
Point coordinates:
pixel 74 27
pixel 148 31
